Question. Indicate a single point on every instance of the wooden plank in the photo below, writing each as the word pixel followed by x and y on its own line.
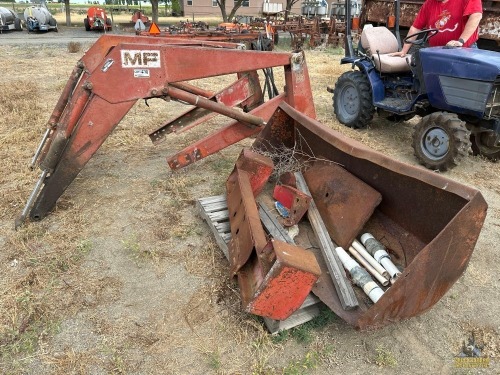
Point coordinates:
pixel 220 241
pixel 343 287
pixel 301 316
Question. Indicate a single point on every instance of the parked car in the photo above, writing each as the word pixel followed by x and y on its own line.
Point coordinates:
pixel 97 19
pixel 9 20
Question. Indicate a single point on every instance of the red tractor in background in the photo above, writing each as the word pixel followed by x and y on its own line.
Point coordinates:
pixel 97 19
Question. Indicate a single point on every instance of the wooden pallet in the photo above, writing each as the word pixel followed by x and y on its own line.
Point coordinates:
pixel 214 211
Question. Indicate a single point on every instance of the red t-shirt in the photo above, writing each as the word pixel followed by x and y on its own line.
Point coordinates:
pixel 450 17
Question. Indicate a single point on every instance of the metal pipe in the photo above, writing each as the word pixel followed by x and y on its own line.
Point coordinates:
pixel 31 198
pixel 360 276
pixel 371 260
pixel 201 102
pixel 381 279
pixel 379 252
pixel 67 91
pixel 192 89
pixel 40 147
pixel 397 7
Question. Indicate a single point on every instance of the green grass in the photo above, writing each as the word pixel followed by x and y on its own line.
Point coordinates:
pixel 385 358
pixel 304 333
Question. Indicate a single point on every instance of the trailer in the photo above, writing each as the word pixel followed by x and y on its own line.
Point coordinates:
pixel 9 20
pixel 38 18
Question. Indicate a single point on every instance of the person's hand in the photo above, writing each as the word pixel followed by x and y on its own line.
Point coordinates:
pixel 400 54
pixel 454 43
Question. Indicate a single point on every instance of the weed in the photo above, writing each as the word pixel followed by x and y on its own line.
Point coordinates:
pixel 303 333
pixel 310 361
pixel 74 47
pixel 133 246
pixel 385 358
pixel 214 360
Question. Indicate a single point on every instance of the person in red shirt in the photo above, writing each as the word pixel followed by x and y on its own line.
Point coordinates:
pixel 456 20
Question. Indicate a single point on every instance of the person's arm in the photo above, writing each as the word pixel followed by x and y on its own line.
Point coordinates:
pixel 407 46
pixel 469 29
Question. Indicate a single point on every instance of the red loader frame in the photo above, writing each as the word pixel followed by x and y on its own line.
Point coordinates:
pixel 118 70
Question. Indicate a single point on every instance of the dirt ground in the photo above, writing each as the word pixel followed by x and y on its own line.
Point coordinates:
pixel 124 277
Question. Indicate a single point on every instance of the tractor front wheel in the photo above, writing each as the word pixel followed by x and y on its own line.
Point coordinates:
pixel 441 140
pixel 352 100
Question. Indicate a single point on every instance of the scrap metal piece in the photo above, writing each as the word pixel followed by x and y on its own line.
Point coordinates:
pixel 287 284
pixel 344 201
pixel 258 166
pixel 344 289
pixel 247 233
pixel 294 200
pixel 248 178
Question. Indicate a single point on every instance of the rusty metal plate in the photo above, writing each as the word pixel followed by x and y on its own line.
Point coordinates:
pixel 287 284
pixel 294 200
pixel 247 233
pixel 258 167
pixel 344 202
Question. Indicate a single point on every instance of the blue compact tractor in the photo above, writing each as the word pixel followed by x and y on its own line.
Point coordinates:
pixel 455 91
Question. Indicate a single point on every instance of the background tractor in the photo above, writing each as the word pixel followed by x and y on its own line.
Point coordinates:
pixel 455 91
pixel 97 19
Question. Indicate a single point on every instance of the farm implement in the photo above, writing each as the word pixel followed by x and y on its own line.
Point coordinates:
pixel 432 246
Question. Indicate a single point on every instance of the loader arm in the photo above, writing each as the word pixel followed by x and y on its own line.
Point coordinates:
pixel 117 71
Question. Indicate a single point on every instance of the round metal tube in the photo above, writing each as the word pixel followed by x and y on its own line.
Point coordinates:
pixel 202 102
pixel 31 199
pixel 40 147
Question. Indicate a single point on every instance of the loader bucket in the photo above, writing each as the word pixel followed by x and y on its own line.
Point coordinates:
pixel 429 223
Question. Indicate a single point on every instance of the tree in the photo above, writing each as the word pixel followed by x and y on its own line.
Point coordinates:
pixel 290 4
pixel 237 5
pixel 68 13
pixel 154 9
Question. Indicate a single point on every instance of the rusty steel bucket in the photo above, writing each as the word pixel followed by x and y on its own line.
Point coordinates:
pixel 429 223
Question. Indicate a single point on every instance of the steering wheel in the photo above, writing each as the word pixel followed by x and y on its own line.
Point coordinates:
pixel 427 34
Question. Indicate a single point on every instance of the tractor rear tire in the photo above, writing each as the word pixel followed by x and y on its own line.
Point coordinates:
pixel 352 100
pixel 485 143
pixel 441 140
pixel 86 23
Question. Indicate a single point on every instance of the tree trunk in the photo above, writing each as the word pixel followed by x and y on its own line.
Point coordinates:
pixel 154 8
pixel 235 8
pixel 68 13
pixel 222 6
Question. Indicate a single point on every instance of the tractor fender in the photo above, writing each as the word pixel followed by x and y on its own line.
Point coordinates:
pixel 366 66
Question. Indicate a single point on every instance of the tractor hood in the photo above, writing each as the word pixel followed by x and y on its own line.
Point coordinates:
pixel 460 80
pixel 470 63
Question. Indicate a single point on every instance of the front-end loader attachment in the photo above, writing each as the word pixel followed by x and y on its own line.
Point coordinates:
pixel 117 71
pixel 429 222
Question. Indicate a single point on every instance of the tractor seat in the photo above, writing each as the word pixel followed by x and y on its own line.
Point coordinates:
pixel 380 39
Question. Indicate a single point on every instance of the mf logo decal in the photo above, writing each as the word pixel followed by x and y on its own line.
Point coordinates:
pixel 140 59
